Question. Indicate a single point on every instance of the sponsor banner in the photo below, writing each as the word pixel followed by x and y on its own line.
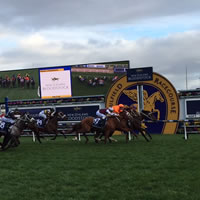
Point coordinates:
pixel 73 113
pixel 140 74
pixel 79 112
pixel 159 97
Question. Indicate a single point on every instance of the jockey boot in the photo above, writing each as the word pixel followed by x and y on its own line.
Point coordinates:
pixel 102 122
pixel 45 121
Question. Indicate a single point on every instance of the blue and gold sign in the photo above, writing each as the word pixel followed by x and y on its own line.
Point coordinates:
pixel 159 97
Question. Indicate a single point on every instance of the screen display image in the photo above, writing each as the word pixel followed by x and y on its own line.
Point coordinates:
pixel 55 82
pixel 86 80
pixel 19 84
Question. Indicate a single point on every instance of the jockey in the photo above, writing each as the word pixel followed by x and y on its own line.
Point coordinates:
pixel 45 114
pixel 8 120
pixel 9 117
pixel 102 113
pixel 118 108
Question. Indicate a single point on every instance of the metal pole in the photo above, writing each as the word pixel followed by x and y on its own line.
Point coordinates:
pixel 140 98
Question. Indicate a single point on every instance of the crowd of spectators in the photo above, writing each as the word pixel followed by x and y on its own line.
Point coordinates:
pixel 95 81
pixel 22 81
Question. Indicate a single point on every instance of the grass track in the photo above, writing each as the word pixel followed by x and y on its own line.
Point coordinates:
pixel 166 168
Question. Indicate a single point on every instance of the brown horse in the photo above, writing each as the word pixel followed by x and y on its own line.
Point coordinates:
pixel 125 122
pixel 129 121
pixel 84 127
pixel 138 118
pixel 51 126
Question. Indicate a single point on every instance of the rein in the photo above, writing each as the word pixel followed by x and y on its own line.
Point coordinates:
pixel 147 116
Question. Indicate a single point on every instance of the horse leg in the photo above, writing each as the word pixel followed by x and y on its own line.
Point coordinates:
pixel 143 134
pixel 96 137
pixel 107 134
pixel 38 136
pixel 127 138
pixel 134 134
pixel 63 133
pixel 14 142
pixel 54 137
pixel 111 139
pixel 86 137
pixel 6 140
pixel 56 133
pixel 148 135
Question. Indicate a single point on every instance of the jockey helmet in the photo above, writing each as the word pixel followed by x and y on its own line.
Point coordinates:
pixel 47 111
pixel 121 105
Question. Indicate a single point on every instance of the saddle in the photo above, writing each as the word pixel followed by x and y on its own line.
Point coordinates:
pixel 99 123
pixel 4 127
pixel 41 122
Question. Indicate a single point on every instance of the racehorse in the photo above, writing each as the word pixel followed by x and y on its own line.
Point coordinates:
pixel 51 126
pixel 128 121
pixel 117 123
pixel 12 137
pixel 137 120
pixel 86 126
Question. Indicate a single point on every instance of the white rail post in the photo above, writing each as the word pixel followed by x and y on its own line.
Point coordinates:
pixel 79 137
pixel 185 131
pixel 129 135
pixel 33 136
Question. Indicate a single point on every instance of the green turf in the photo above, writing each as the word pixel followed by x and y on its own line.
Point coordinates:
pixel 166 168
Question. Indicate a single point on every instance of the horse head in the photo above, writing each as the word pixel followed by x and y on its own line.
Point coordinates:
pixel 125 114
pixel 148 115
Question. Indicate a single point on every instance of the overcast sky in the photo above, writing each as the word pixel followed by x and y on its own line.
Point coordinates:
pixel 164 34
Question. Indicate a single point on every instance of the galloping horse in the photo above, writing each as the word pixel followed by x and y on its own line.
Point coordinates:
pixel 84 127
pixel 135 122
pixel 12 137
pixel 51 126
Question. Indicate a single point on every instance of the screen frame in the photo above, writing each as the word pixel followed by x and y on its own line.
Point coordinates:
pixel 186 108
pixel 51 69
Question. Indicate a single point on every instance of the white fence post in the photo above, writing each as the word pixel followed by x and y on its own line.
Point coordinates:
pixel 79 137
pixel 129 135
pixel 33 136
pixel 185 131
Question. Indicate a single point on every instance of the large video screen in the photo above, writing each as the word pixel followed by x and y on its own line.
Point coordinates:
pixel 55 82
pixel 192 108
pixel 86 80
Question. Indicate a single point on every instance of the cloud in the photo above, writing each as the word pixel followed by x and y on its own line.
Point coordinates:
pixel 48 13
pixel 162 34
